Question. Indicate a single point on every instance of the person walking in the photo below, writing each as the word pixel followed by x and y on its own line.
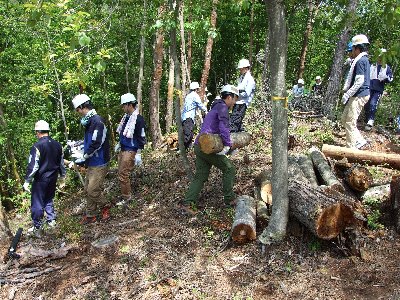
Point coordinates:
pixel 215 122
pixel 45 165
pixel 356 91
pixel 96 157
pixel 132 139
pixel 247 88
pixel 380 75
pixel 190 107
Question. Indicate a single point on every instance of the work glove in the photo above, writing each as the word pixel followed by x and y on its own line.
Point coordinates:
pixel 71 164
pixel 117 147
pixel 138 158
pixel 61 183
pixel 80 161
pixel 26 187
pixel 224 150
pixel 345 98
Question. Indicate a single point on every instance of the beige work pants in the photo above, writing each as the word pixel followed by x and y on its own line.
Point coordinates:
pixel 94 189
pixel 126 162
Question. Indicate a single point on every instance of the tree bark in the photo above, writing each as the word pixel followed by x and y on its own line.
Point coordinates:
pixel 184 65
pixel 360 156
pixel 189 45
pixel 244 222
pixel 323 168
pixel 5 232
pixel 332 91
pixel 276 229
pixel 155 85
pixel 395 201
pixel 251 39
pixel 141 60
pixel 170 94
pixel 307 167
pixel 212 143
pixel 210 41
pixel 325 216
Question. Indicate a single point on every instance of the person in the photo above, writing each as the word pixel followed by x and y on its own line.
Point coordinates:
pixel 380 75
pixel 190 107
pixel 216 122
pixel 356 91
pixel 132 139
pixel 96 156
pixel 298 89
pixel 247 88
pixel 317 87
pixel 45 165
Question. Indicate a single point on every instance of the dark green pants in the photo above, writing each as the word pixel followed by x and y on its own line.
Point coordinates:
pixel 204 162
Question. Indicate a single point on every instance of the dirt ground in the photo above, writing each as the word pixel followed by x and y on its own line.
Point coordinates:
pixel 153 251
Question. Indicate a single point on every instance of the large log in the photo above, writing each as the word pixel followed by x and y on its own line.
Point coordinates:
pixel 324 215
pixel 361 156
pixel 212 143
pixel 244 223
pixel 359 178
pixel 323 168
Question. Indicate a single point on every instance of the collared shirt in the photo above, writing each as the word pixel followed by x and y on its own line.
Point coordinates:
pixel 247 88
pixel 298 91
pixel 96 143
pixel 192 103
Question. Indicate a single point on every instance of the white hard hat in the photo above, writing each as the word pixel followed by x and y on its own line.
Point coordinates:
pixel 383 50
pixel 230 89
pixel 194 85
pixel 243 63
pixel 359 39
pixel 318 77
pixel 300 81
pixel 125 98
pixel 79 100
pixel 42 125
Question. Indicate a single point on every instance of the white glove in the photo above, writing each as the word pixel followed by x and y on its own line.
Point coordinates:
pixel 26 187
pixel 138 159
pixel 224 150
pixel 117 147
pixel 345 98
pixel 71 165
pixel 80 161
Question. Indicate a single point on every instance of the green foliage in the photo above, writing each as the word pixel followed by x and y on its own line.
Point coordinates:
pixel 314 246
pixel 373 204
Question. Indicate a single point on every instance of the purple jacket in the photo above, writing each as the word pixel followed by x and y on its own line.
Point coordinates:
pixel 217 121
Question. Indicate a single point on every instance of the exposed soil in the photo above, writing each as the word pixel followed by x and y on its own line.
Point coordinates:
pixel 160 253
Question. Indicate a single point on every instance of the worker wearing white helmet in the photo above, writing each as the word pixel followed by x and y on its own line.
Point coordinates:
pixel 380 75
pixel 356 91
pixel 132 139
pixel 298 89
pixel 190 107
pixel 45 165
pixel 96 157
pixel 247 88
pixel 316 88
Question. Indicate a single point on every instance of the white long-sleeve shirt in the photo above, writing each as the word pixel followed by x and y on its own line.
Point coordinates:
pixel 192 103
pixel 247 88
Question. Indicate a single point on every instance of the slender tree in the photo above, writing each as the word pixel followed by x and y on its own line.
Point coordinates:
pixel 276 229
pixel 170 93
pixel 141 60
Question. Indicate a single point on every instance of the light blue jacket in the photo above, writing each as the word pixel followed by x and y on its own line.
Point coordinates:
pixel 192 103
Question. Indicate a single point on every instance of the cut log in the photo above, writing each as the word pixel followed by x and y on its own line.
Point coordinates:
pixel 359 178
pixel 361 156
pixel 395 200
pixel 307 167
pixel 263 187
pixel 212 143
pixel 325 216
pixel 294 170
pixel 244 223
pixel 323 168
pixel 263 212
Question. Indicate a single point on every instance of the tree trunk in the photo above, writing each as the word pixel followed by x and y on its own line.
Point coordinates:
pixel 323 168
pixel 251 40
pixel 141 60
pixel 276 229
pixel 212 143
pixel 312 12
pixel 360 156
pixel 155 85
pixel 184 68
pixel 325 216
pixel 189 45
pixel 178 94
pixel 127 66
pixel 244 222
pixel 170 94
pixel 332 92
pixel 210 41
pixel 5 232
pixel 395 201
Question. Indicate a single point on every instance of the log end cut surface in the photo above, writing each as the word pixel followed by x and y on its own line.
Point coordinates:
pixel 243 233
pixel 333 220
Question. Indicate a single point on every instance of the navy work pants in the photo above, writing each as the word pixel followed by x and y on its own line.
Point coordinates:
pixel 372 105
pixel 42 196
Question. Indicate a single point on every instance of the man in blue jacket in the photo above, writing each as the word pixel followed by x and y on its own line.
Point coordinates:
pixel 96 157
pixel 216 122
pixel 132 139
pixel 379 75
pixel 45 164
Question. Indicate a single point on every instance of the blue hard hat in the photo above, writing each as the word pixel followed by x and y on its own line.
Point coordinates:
pixel 349 46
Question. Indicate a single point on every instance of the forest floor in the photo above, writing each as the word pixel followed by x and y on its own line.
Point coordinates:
pixel 150 250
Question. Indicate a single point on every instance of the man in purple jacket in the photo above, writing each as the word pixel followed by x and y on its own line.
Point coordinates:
pixel 216 122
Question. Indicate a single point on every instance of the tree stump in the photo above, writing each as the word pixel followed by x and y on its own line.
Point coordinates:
pixel 212 143
pixel 325 216
pixel 244 223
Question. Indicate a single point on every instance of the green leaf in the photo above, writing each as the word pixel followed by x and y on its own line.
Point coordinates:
pixel 84 40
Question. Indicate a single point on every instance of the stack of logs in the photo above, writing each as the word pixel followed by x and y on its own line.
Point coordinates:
pixel 325 210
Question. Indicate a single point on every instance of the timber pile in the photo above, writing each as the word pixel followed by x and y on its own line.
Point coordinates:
pixel 170 141
pixel 244 223
pixel 212 143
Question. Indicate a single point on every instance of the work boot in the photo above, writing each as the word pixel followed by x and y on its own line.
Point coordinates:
pixel 35 231
pixel 88 220
pixel 105 213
